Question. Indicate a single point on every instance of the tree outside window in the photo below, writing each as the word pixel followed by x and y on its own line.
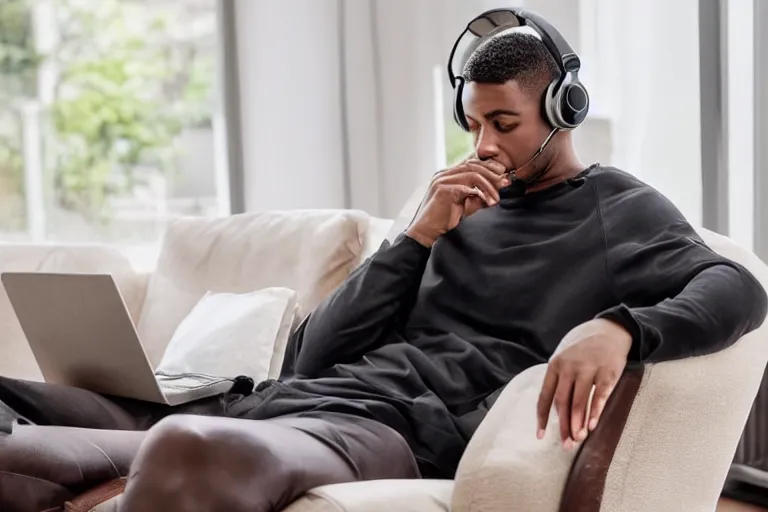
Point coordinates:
pixel 120 87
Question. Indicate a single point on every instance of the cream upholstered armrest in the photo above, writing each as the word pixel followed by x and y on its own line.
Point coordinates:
pixel 505 468
pixel 664 444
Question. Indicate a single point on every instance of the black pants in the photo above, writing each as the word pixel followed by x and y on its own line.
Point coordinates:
pixel 81 439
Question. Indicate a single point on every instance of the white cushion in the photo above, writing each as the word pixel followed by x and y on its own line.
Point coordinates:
pixel 378 496
pixel 310 251
pixel 16 359
pixel 378 231
pixel 228 334
pixel 408 212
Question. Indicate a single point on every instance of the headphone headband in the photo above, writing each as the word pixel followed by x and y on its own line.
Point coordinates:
pixel 566 100
pixel 558 47
pixel 553 40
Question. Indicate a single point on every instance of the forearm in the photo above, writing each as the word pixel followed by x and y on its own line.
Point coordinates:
pixel 356 316
pixel 716 308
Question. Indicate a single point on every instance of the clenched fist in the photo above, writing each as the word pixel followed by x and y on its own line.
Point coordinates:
pixel 454 194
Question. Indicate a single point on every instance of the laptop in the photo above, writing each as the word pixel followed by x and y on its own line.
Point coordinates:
pixel 82 335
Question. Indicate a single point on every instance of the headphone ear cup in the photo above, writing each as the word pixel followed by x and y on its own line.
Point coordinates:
pixel 566 103
pixel 458 105
pixel 574 104
pixel 549 107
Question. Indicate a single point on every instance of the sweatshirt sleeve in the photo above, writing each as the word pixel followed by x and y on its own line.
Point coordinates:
pixel 356 316
pixel 676 296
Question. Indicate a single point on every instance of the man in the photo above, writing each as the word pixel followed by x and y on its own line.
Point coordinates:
pixel 392 374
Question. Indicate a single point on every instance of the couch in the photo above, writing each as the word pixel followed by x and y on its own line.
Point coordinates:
pixel 665 442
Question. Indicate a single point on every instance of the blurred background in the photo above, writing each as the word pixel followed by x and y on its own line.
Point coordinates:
pixel 116 115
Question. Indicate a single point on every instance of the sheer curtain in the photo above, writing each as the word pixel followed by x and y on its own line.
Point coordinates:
pixel 643 69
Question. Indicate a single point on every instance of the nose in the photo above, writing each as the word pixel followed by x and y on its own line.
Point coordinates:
pixel 486 145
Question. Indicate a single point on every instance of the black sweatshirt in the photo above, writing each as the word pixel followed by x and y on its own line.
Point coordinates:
pixel 424 340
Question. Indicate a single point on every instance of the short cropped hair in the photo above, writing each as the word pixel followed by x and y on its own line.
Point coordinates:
pixel 513 56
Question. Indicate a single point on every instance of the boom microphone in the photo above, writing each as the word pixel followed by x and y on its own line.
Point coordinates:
pixel 517 185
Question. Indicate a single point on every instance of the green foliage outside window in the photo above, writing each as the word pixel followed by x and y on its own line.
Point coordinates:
pixel 126 86
pixel 18 61
pixel 458 143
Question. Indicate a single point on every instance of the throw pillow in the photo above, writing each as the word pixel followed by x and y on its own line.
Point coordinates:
pixel 229 334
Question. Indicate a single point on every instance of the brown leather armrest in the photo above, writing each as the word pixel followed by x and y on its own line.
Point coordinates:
pixel 584 488
pixel 86 502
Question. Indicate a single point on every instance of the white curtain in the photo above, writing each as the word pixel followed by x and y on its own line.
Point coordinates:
pixel 642 58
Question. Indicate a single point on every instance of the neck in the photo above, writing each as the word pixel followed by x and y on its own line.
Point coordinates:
pixel 563 165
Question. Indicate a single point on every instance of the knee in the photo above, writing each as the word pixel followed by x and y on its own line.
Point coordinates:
pixel 171 464
pixel 180 445
pixel 176 436
pixel 194 463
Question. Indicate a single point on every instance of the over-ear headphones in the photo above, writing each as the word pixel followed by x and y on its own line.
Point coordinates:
pixel 566 101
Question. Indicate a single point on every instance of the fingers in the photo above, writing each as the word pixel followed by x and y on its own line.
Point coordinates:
pixel 568 389
pixel 569 392
pixel 492 171
pixel 472 204
pixel 497 171
pixel 581 390
pixel 495 166
pixel 472 180
pixel 459 192
pixel 491 165
pixel 497 180
pixel 563 396
pixel 545 400
pixel 604 384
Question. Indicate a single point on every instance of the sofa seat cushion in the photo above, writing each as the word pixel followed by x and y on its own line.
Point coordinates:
pixel 372 496
pixel 309 251
pixel 378 496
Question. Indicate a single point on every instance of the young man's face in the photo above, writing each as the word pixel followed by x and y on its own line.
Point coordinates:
pixel 507 124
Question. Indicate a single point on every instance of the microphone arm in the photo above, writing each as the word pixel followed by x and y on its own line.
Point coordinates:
pixel 512 173
pixel 517 186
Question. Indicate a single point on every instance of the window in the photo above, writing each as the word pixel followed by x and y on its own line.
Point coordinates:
pixel 458 143
pixel 107 112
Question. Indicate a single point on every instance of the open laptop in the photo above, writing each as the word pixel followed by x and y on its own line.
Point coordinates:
pixel 82 335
